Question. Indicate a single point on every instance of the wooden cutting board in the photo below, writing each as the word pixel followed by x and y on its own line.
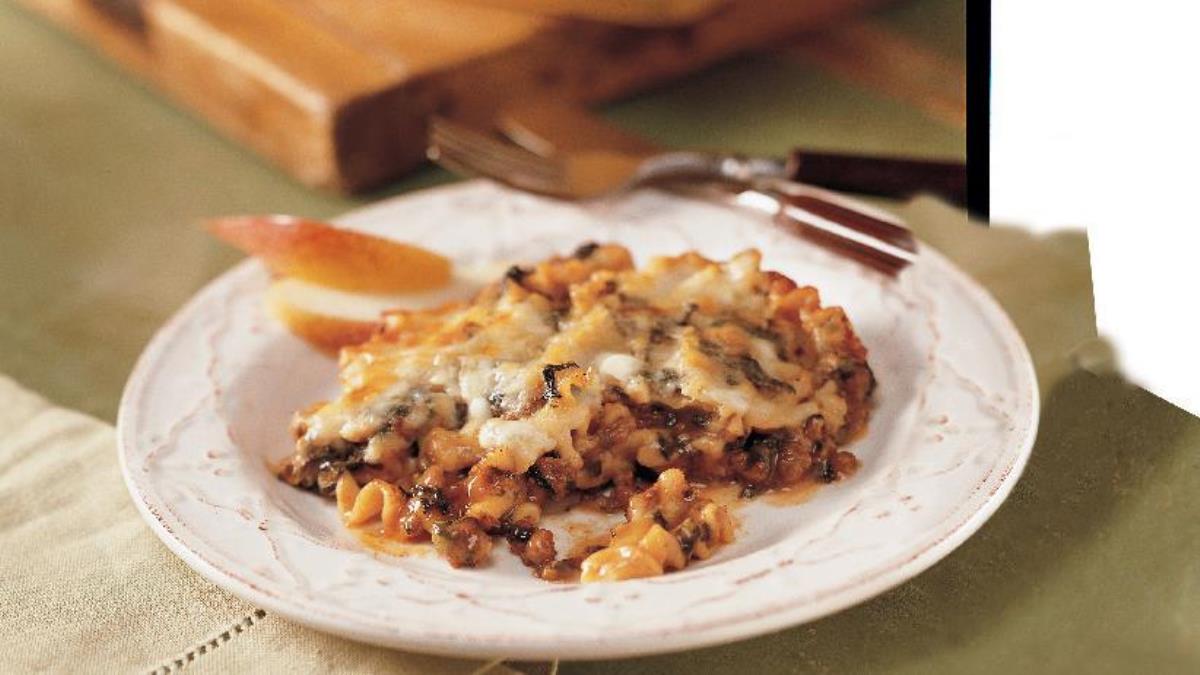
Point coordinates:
pixel 336 92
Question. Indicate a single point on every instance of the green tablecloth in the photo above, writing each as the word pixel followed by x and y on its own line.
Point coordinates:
pixel 1092 566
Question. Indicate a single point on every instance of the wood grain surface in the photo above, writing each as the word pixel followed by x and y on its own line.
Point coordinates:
pixel 336 92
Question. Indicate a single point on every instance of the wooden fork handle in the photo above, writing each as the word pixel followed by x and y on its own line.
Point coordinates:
pixel 880 176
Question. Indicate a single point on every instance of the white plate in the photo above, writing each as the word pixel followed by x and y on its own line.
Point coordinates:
pixel 208 405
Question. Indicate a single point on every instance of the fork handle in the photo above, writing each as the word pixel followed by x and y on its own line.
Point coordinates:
pixel 880 176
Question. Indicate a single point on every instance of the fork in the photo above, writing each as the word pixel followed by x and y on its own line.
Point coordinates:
pixel 586 174
pixel 871 237
pixel 596 170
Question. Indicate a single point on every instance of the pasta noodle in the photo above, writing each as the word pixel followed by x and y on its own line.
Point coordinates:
pixel 377 499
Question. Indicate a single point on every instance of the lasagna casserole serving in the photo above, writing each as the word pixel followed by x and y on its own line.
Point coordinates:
pixel 582 380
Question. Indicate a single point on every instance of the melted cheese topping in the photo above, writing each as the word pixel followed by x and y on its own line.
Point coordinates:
pixel 574 381
pixel 524 368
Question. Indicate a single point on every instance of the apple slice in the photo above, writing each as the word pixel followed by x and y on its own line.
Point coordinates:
pixel 330 319
pixel 327 332
pixel 323 254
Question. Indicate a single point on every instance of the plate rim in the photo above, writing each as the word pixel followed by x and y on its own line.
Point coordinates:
pixel 1002 479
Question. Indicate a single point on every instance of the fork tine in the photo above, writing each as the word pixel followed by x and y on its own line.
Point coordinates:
pixel 459 163
pixel 473 143
pixel 484 155
pixel 490 167
pixel 483 164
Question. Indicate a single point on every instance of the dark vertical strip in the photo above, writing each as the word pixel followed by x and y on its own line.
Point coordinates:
pixel 979 106
pixel 128 12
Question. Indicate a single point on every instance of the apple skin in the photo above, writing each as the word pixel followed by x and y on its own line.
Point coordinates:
pixel 329 256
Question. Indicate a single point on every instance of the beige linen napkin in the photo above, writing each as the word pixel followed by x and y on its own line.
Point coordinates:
pixel 88 588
